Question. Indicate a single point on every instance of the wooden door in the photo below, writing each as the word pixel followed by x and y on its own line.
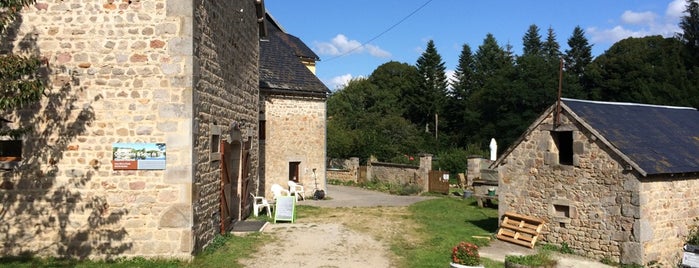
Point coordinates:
pixel 230 185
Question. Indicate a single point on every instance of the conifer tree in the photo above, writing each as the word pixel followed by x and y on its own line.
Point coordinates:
pixel 690 31
pixel 579 54
pixel 430 97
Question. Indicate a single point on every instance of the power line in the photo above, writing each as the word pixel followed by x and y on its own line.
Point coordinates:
pixel 382 33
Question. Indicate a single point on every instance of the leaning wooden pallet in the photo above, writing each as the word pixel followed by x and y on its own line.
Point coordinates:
pixel 520 229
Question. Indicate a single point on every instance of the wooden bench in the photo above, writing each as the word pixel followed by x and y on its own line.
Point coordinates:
pixel 488 199
pixel 520 229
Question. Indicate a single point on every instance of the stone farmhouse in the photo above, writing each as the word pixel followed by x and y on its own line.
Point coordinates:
pixel 292 112
pixel 612 180
pixel 179 77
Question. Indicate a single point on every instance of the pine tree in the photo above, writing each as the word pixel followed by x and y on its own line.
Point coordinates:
pixel 531 42
pixel 552 49
pixel 690 31
pixel 20 82
pixel 462 88
pixel 579 54
pixel 429 99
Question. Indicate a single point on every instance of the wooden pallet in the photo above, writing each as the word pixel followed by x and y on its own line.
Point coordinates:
pixel 520 229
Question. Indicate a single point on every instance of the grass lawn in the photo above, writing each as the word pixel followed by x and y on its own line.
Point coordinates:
pixel 443 223
pixel 446 222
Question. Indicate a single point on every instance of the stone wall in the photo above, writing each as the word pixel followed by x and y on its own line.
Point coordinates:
pixel 349 171
pixel 400 173
pixel 226 94
pixel 127 71
pixel 669 206
pixel 591 205
pixel 295 132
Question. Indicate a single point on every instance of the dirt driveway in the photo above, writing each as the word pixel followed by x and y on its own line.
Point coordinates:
pixel 355 232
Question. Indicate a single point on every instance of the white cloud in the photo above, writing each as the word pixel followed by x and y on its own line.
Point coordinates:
pixel 338 82
pixel 639 24
pixel 341 45
pixel 638 18
pixel 676 9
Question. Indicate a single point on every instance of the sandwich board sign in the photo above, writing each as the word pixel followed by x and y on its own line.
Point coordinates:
pixel 285 209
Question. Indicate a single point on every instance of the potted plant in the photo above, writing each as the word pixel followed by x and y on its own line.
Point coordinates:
pixel 465 255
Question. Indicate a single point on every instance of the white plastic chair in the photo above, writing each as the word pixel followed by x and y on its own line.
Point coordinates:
pixel 260 204
pixel 278 190
pixel 296 190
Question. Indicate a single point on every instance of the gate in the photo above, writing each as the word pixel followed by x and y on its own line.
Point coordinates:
pixel 437 182
pixel 362 174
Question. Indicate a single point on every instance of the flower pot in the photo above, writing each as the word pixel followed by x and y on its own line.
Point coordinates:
pixel 456 265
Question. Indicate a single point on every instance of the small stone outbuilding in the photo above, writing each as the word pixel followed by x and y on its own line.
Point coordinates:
pixel 292 113
pixel 612 180
pixel 145 143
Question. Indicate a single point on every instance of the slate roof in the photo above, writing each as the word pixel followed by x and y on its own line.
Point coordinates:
pixel 657 139
pixel 281 70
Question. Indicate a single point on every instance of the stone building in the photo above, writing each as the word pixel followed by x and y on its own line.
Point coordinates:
pixel 149 122
pixel 612 180
pixel 292 112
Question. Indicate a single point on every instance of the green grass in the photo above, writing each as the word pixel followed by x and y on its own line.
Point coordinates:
pixel 446 222
pixel 540 259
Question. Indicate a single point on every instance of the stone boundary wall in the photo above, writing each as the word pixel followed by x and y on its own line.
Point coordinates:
pixel 386 172
pixel 349 171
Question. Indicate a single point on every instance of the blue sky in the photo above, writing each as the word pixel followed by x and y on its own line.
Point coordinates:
pixel 335 30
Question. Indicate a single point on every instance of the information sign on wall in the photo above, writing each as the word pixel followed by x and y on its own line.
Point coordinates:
pixel 133 156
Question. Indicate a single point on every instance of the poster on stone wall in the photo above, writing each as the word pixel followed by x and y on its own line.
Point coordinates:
pixel 135 156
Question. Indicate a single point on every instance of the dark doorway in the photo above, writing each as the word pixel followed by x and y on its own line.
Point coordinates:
pixel 294 171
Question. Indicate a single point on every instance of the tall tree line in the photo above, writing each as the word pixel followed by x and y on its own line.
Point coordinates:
pixel 404 109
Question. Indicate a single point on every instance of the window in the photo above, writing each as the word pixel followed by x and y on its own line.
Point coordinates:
pixel 215 143
pixel 294 171
pixel 10 153
pixel 562 211
pixel 263 129
pixel 564 142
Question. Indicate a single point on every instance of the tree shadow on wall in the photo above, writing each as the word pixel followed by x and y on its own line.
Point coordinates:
pixel 47 210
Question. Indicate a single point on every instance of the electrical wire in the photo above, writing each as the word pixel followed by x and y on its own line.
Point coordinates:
pixel 382 33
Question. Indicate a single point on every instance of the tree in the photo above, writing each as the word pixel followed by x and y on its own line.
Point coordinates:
pixel 644 70
pixel 552 49
pixel 579 54
pixel 531 42
pixel 394 79
pixel 429 97
pixel 690 31
pixel 20 80
pixel 462 88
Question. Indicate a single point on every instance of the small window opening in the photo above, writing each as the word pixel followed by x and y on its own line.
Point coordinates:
pixel 294 171
pixel 564 142
pixel 215 143
pixel 562 211
pixel 10 153
pixel 263 129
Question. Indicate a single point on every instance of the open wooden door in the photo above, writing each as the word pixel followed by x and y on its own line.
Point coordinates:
pixel 230 194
